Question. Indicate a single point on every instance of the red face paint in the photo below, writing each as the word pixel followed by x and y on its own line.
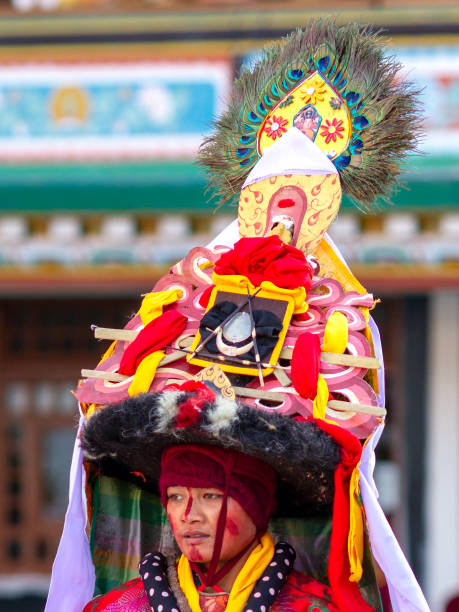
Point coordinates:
pixel 189 504
pixel 231 527
pixel 194 522
pixel 195 555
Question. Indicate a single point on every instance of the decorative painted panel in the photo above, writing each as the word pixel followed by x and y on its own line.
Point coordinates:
pixel 435 70
pixel 107 111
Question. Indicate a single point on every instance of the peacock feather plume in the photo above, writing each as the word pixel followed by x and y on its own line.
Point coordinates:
pixel 382 108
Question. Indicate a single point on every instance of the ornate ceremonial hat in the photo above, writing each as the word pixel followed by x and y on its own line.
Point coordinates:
pixel 127 440
pixel 265 344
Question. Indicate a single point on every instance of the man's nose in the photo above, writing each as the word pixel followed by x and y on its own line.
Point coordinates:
pixel 191 511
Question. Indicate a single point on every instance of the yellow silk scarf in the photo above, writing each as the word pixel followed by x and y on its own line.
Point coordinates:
pixel 355 541
pixel 252 571
pixel 145 373
pixel 151 308
pixel 153 303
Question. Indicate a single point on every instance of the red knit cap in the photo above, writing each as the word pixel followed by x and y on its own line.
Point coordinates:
pixel 252 482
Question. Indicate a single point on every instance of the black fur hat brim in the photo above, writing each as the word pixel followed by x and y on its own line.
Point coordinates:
pixel 130 436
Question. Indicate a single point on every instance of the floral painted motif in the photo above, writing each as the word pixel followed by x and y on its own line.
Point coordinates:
pixel 335 103
pixel 315 92
pixel 332 130
pixel 129 597
pixel 216 603
pixel 275 127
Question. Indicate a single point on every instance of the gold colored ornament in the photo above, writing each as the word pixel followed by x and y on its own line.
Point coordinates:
pixel 215 375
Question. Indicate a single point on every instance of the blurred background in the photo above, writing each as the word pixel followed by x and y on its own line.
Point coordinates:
pixel 102 107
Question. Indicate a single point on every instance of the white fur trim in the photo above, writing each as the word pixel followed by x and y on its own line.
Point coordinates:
pixel 222 415
pixel 167 409
pixel 95 457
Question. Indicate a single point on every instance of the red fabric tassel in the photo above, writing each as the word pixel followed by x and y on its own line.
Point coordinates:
pixel 269 259
pixel 156 335
pixel 346 594
pixel 190 409
pixel 305 365
pixel 188 415
pixel 205 296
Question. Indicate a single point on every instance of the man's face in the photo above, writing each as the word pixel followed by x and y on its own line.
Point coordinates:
pixel 193 514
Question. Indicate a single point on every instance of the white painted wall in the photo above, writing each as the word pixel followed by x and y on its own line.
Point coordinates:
pixel 442 490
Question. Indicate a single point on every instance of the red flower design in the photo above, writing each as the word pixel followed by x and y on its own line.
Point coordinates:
pixel 275 127
pixel 217 603
pixel 335 103
pixel 332 131
pixel 129 597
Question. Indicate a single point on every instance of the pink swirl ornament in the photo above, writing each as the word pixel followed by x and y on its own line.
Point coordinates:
pixel 289 403
pixel 324 292
pixel 361 425
pixel 325 297
pixel 337 376
pixel 355 319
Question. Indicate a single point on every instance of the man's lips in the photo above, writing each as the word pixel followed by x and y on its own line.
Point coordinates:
pixel 195 537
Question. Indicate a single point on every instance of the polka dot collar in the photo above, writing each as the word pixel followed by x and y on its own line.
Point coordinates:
pixel 153 571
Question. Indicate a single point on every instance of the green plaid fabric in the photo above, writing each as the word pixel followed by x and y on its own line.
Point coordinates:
pixel 129 522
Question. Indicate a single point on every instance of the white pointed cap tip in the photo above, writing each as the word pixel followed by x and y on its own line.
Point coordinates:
pixel 293 153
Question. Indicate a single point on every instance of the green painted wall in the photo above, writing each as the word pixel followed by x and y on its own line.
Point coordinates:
pixel 430 183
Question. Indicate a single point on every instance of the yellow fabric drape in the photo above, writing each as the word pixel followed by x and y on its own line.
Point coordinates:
pixel 336 333
pixel 320 401
pixel 151 308
pixel 153 303
pixel 108 353
pixel 252 571
pixel 356 532
pixel 90 411
pixel 331 266
pixel 145 373
pixel 356 537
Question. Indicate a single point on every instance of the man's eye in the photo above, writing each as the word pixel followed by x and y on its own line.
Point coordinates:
pixel 212 496
pixel 174 497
